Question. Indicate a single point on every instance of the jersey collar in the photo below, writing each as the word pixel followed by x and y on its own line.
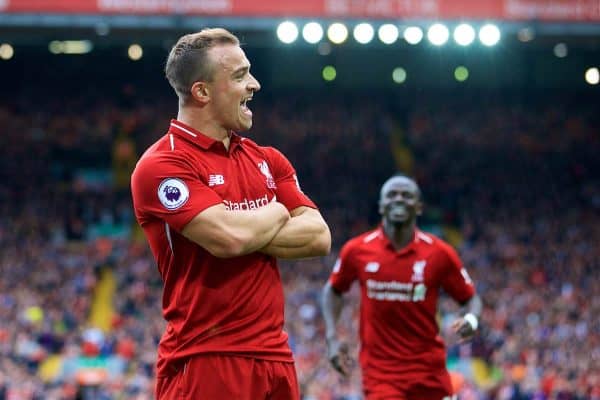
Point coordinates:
pixel 411 246
pixel 198 138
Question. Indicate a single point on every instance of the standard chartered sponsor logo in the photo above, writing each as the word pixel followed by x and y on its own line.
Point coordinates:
pixel 388 296
pixel 247 204
pixel 395 291
pixel 393 285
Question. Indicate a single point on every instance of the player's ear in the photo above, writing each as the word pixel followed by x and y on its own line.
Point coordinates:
pixel 200 92
pixel 381 208
pixel 419 208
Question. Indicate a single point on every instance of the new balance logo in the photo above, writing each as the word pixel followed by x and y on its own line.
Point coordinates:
pixel 372 267
pixel 214 180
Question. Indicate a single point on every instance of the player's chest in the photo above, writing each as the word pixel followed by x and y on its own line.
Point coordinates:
pixel 413 268
pixel 395 278
pixel 245 181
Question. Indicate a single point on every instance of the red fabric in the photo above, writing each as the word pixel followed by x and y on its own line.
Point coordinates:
pixel 399 295
pixel 561 10
pixel 432 385
pixel 435 385
pixel 213 305
pixel 210 377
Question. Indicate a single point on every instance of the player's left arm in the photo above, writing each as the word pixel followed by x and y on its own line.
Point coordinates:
pixel 466 326
pixel 460 286
pixel 305 234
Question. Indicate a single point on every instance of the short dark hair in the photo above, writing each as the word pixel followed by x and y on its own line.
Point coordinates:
pixel 187 62
pixel 403 175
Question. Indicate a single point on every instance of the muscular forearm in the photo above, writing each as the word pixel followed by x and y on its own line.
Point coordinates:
pixel 259 229
pixel 303 235
pixel 226 233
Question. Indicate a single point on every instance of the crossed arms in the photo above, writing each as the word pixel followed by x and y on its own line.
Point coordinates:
pixel 270 229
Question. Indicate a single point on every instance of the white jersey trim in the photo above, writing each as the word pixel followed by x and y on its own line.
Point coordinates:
pixel 373 235
pixel 168 232
pixel 184 129
pixel 172 141
pixel 424 237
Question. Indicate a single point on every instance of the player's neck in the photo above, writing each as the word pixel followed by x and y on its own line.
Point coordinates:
pixel 204 124
pixel 399 234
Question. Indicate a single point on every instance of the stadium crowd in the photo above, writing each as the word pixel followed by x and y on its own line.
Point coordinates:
pixel 519 181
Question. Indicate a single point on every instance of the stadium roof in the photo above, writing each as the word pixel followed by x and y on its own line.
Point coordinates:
pixel 544 43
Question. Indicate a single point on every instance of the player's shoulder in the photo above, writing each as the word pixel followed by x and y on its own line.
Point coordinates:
pixel 267 151
pixel 363 240
pixel 434 244
pixel 428 239
pixel 247 142
pixel 158 155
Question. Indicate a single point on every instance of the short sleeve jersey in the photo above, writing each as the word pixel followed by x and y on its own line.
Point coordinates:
pixel 232 305
pixel 399 294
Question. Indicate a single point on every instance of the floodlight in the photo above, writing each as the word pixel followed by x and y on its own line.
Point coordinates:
pixel 77 46
pixel 6 51
pixel 399 75
pixel 329 73
pixel 438 34
pixel 561 50
pixel 312 32
pixel 413 34
pixel 489 34
pixel 363 33
pixel 526 34
pixel 337 33
pixel 135 52
pixel 287 32
pixel 464 34
pixel 592 76
pixel 388 33
pixel 461 73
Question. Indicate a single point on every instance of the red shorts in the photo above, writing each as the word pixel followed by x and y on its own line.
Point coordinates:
pixel 224 377
pixel 434 386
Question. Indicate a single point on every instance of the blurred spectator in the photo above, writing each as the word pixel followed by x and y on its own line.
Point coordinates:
pixel 519 181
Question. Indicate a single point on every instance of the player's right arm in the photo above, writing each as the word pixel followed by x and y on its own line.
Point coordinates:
pixel 168 187
pixel 332 303
pixel 231 233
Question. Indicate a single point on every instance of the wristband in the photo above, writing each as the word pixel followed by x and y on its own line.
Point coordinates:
pixel 472 320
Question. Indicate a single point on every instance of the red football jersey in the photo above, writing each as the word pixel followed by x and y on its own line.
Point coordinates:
pixel 399 293
pixel 213 305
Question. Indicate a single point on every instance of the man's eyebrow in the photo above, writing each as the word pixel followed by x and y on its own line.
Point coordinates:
pixel 240 70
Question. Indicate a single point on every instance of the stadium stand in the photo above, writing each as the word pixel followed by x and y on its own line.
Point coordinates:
pixel 514 182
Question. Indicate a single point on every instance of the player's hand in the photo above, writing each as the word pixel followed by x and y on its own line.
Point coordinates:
pixel 339 357
pixel 463 329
